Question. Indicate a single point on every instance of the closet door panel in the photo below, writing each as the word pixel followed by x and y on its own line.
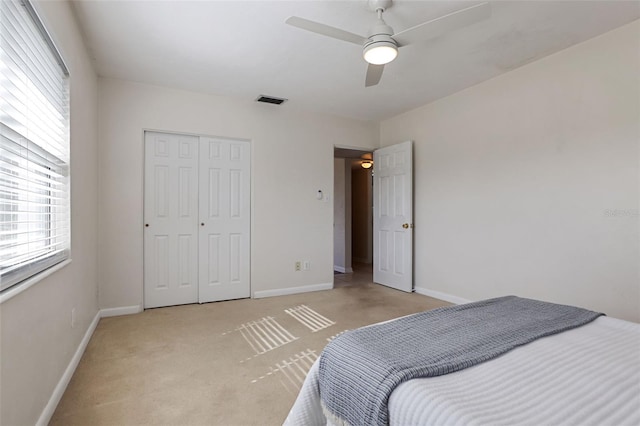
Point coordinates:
pixel 170 218
pixel 224 215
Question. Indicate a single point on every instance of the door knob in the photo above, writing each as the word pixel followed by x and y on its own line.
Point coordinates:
pixel 202 224
pixel 405 225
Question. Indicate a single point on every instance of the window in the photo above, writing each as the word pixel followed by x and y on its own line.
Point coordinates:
pixel 34 147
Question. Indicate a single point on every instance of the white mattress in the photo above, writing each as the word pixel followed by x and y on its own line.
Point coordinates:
pixel 586 376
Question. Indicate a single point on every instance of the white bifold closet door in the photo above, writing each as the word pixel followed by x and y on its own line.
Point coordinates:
pixel 171 220
pixel 224 219
pixel 197 219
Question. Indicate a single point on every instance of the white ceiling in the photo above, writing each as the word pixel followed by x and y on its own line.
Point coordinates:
pixel 244 48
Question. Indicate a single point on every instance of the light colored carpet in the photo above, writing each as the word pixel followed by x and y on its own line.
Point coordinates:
pixel 197 365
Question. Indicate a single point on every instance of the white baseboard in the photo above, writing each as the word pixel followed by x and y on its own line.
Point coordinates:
pixel 343 269
pixel 50 408
pixel 123 310
pixel 442 296
pixel 292 290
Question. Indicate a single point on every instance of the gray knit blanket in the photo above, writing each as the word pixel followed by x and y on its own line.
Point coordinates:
pixel 360 368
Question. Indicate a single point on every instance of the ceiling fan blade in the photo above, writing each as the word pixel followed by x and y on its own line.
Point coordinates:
pixel 374 72
pixel 326 30
pixel 444 24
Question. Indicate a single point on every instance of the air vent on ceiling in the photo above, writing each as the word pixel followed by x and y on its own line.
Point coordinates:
pixel 270 99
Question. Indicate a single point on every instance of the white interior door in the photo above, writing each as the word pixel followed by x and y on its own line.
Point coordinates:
pixel 171 220
pixel 393 216
pixel 225 224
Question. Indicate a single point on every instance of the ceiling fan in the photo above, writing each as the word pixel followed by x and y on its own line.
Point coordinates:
pixel 381 46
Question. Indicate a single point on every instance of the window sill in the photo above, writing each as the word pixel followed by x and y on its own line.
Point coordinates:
pixel 19 288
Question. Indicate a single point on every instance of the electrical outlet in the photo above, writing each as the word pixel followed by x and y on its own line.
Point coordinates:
pixel 298 266
pixel 306 265
pixel 73 318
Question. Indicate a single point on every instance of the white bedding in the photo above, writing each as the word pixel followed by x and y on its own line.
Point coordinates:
pixel 586 376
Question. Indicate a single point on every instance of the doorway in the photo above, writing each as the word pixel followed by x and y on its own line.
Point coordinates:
pixel 353 217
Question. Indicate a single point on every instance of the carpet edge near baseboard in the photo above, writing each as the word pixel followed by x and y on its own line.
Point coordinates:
pixel 292 290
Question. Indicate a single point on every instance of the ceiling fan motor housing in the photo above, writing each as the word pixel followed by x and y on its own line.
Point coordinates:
pixel 380 39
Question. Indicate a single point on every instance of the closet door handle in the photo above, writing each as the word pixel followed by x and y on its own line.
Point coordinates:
pixel 202 224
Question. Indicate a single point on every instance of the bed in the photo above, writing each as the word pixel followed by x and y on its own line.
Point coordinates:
pixel 589 375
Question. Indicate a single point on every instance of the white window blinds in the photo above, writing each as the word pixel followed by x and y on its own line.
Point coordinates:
pixel 34 147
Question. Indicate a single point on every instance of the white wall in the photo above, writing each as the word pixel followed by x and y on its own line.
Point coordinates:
pixel 292 156
pixel 342 215
pixel 515 179
pixel 37 341
pixel 339 205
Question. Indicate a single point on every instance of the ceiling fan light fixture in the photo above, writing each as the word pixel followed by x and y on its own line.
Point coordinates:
pixel 380 53
pixel 382 43
pixel 366 164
